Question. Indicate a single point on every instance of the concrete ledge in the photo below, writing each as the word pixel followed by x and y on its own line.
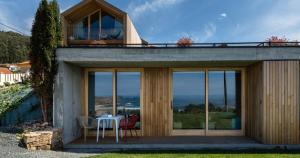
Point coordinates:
pixel 177 54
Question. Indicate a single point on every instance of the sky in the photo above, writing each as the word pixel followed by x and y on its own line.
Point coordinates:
pixel 160 21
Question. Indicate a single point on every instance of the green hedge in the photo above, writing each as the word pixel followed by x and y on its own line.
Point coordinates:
pixel 11 97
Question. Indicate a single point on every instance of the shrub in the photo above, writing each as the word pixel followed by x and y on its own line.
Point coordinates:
pixel 184 42
pixel 6 84
pixel 280 41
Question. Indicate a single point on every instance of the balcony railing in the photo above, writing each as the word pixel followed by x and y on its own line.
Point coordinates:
pixel 198 45
pixel 81 33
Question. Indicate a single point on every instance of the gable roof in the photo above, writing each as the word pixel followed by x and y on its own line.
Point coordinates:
pixel 90 4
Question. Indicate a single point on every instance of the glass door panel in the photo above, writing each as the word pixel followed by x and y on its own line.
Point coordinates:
pixel 224 100
pixel 189 100
pixel 128 94
pixel 100 93
pixel 95 26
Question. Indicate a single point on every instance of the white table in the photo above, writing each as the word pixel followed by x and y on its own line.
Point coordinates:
pixel 103 118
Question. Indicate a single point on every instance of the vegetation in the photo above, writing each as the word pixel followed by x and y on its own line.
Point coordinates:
pixel 45 38
pixel 12 96
pixel 14 47
pixel 280 41
pixel 199 154
pixel 184 42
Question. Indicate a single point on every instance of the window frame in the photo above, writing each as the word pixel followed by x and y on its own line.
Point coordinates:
pixel 100 23
pixel 114 81
pixel 206 131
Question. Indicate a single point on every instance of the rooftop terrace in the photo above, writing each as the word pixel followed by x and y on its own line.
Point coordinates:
pixel 194 45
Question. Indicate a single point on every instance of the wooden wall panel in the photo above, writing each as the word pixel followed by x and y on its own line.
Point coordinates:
pixel 156 107
pixel 254 99
pixel 273 102
pixel 281 96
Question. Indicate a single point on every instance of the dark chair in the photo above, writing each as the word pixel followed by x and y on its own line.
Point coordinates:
pixel 129 124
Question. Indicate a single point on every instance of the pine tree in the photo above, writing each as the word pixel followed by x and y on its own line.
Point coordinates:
pixel 56 15
pixel 42 56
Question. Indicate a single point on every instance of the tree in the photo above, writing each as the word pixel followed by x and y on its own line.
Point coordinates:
pixel 56 15
pixel 43 43
pixel 14 47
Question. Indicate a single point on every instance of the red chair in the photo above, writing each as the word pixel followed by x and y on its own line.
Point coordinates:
pixel 129 124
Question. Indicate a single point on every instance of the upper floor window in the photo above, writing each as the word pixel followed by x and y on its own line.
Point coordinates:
pixel 111 28
pixel 98 26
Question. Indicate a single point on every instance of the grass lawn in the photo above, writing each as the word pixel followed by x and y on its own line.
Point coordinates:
pixel 193 154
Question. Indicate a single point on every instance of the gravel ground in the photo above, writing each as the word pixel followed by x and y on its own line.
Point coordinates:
pixel 10 148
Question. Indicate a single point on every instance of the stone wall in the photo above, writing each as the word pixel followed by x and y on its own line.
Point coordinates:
pixel 43 140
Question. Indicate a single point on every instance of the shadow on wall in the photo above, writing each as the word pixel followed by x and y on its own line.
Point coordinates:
pixel 29 110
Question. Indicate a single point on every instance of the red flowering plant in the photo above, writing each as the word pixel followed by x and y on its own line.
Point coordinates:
pixel 184 42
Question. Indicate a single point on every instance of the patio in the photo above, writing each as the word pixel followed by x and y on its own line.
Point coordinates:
pixel 167 140
pixel 201 143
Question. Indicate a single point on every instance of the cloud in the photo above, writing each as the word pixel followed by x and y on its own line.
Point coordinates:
pixel 150 6
pixel 208 31
pixel 279 20
pixel 224 15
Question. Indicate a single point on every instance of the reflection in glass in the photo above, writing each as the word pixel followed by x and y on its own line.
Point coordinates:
pixel 111 28
pixel 95 26
pixel 224 97
pixel 128 94
pixel 100 96
pixel 81 30
pixel 189 100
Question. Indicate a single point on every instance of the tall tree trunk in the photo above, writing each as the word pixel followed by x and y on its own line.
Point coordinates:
pixel 44 110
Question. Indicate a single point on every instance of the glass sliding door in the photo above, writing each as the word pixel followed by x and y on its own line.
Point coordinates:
pixel 189 100
pixel 100 90
pixel 224 100
pixel 128 94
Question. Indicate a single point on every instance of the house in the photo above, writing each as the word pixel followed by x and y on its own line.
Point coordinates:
pixel 4 70
pixel 234 90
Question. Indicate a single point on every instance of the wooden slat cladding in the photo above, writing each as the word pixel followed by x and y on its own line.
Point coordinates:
pixel 156 107
pixel 254 99
pixel 276 119
pixel 281 96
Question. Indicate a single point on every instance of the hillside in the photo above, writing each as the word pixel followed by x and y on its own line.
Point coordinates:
pixel 13 47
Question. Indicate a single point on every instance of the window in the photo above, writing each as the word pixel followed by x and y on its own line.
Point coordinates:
pixel 189 100
pixel 100 98
pixel 128 94
pixel 98 26
pixel 81 30
pixel 210 100
pixel 111 28
pixel 95 25
pixel 224 98
pixel 101 94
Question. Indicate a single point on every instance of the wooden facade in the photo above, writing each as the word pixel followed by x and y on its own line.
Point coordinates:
pixel 86 8
pixel 270 110
pixel 273 102
pixel 156 105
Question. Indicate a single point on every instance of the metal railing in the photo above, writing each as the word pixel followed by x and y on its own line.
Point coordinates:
pixel 196 45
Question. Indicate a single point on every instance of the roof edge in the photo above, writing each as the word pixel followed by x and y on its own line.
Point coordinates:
pixel 84 2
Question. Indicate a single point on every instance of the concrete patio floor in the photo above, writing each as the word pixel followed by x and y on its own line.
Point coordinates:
pixel 174 143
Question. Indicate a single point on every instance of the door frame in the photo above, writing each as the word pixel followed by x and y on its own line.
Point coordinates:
pixel 206 131
pixel 85 92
